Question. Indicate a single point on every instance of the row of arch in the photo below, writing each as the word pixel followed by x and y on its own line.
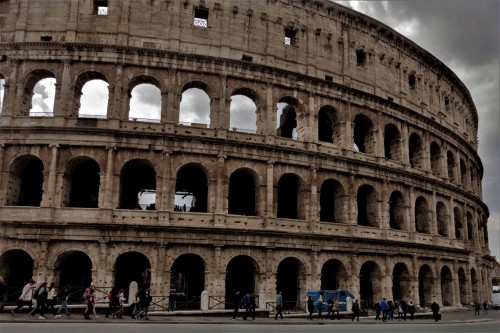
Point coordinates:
pixel 138 184
pixel 188 276
pixel 145 94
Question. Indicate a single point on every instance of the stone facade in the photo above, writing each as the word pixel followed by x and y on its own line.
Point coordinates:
pixel 399 216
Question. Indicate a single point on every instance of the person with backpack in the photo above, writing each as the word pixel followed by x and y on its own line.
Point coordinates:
pixel 411 309
pixel 51 299
pixel 89 299
pixel 145 301
pixel 40 294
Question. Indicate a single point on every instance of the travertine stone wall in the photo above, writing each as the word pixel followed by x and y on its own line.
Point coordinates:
pixel 361 69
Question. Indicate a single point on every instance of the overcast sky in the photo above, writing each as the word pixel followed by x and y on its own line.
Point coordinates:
pixel 465 36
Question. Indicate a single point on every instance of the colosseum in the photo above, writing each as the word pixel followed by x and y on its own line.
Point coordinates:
pixel 332 153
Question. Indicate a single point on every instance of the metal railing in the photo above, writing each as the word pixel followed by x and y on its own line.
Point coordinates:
pixel 288 307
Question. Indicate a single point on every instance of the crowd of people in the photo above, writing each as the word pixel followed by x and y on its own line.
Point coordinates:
pixel 46 297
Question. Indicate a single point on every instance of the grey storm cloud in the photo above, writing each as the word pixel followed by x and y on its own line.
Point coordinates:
pixel 147 94
pixel 195 106
pixel 464 35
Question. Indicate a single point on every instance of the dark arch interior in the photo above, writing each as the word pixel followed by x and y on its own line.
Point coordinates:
pixel 369 277
pixel 287 280
pixel 329 192
pixel 31 183
pixel 137 176
pixel 396 211
pixel 288 122
pixel 325 125
pixel 331 273
pixel 76 270
pixel 192 182
pixel 188 280
pixel 400 281
pixel 241 199
pixel 366 201
pixel 425 285
pixel 240 276
pixel 391 142
pixel 16 266
pixel 132 266
pixel 288 191
pixel 85 179
pixel 362 128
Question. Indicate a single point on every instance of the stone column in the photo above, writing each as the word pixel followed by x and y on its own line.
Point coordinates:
pixel 159 286
pixel 437 282
pixel 412 226
pixel 313 207
pixel 354 281
pixel 434 228
pixel 387 278
pixel 65 96
pixel 163 197
pixel 42 261
pixel 451 200
pixel 219 194
pixel 48 196
pixel 170 112
pixel 269 210
pixel 3 177
pixel 106 200
pixel 102 264
pixel 413 293
pixel 117 103
pixel 13 91
pixel 456 285
pixel 385 209
pixel 405 153
pixel 351 202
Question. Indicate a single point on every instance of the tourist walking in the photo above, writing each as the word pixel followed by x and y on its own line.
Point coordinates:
pixel 63 295
pixel 390 308
pixel 121 301
pixel 378 310
pixel 411 309
pixel 40 294
pixel 435 310
pixel 355 310
pixel 279 305
pixel 145 300
pixel 485 308
pixel 26 297
pixel 113 302
pixel 89 298
pixel 477 308
pixel 246 305
pixel 319 305
pixel 404 308
pixel 252 305
pixel 51 299
pixel 384 308
pixel 310 307
pixel 336 309
pixel 236 303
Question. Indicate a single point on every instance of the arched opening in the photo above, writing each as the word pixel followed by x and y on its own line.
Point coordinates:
pixel 94 96
pixel 16 267
pixel 191 189
pixel 470 227
pixel 435 159
pixel 82 183
pixel 442 219
pixel 188 280
pixel 242 193
pixel 289 197
pixel 145 102
pixel 241 275
pixel 475 285
pixel 26 182
pixel 397 211
pixel 332 201
pixel 287 118
pixel 416 151
pixel 457 216
pixel 194 109
pixel 463 173
pixel 446 286
pixel 366 199
pixel 290 278
pixel 328 125
pixel 425 285
pixel 462 286
pixel 364 137
pixel 334 276
pixel 450 158
pixel 137 178
pixel 370 279
pixel 422 218
pixel 42 101
pixel 392 142
pixel 401 282
pixel 74 268
pixel 243 111
pixel 132 267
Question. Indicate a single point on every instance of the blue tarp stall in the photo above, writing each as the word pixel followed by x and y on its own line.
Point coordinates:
pixel 341 295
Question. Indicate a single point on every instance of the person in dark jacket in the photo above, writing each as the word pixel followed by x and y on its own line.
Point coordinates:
pixel 404 307
pixel 378 310
pixel 236 303
pixel 63 295
pixel 435 310
pixel 41 300
pixel 246 305
pixel 411 309
pixel 355 310
pixel 145 301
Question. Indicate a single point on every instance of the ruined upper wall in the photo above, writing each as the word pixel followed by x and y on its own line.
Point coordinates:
pixel 328 41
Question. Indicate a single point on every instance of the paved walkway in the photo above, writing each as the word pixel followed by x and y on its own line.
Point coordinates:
pixel 221 317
